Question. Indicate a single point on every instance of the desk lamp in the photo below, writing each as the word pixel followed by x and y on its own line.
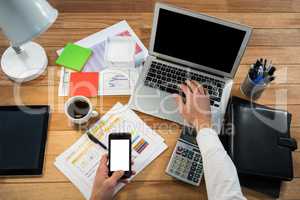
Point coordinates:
pixel 21 21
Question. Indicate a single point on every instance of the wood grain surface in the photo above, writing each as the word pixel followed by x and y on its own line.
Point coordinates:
pixel 276 36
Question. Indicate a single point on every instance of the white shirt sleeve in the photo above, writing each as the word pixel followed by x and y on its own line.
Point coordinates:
pixel 220 174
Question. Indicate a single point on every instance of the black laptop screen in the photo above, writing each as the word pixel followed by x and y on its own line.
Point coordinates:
pixel 198 41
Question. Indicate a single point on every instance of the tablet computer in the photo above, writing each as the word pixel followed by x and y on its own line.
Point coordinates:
pixel 23 135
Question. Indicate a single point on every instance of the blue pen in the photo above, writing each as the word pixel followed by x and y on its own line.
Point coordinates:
pixel 259 75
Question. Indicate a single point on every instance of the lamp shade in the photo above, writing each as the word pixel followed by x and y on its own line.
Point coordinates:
pixel 22 20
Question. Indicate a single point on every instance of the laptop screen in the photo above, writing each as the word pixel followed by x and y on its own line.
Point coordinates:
pixel 198 41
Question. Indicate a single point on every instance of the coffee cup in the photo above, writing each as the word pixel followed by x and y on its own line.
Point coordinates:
pixel 79 110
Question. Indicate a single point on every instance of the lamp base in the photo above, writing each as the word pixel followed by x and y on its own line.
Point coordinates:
pixel 30 63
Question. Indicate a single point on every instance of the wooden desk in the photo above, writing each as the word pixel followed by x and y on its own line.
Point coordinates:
pixel 276 36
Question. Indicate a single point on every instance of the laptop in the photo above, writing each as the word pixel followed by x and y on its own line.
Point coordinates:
pixel 189 46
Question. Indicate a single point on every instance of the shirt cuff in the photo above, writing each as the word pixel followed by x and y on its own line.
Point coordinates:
pixel 208 141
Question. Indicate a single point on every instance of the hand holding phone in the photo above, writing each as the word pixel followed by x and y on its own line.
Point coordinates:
pixel 120 153
pixel 104 186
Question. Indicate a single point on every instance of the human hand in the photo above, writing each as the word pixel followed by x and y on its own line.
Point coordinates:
pixel 196 108
pixel 104 185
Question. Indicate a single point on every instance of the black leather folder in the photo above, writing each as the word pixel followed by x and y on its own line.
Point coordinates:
pixel 257 138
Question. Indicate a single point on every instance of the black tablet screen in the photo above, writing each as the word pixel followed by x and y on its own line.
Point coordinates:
pixel 23 133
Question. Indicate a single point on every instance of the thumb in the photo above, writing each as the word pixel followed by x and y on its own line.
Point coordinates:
pixel 112 181
pixel 116 176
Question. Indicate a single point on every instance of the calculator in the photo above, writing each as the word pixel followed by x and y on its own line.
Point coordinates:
pixel 186 161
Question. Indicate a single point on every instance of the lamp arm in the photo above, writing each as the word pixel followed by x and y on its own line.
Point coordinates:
pixel 17 49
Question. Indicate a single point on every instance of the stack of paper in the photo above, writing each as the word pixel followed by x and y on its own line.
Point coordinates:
pixel 96 63
pixel 80 162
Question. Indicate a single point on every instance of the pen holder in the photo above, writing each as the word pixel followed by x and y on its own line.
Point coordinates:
pixel 252 90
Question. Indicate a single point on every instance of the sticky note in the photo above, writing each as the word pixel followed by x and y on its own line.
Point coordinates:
pixel 84 83
pixel 74 57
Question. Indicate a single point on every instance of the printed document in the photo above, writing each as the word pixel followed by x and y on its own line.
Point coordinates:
pixel 80 162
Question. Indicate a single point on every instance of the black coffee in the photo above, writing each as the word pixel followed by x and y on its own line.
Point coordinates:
pixel 78 109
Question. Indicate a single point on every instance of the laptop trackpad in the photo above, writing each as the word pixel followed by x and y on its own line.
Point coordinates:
pixel 157 103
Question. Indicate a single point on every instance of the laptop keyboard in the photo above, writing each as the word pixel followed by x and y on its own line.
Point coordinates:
pixel 167 78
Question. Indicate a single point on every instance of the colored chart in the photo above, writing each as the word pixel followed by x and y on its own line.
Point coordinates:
pixel 139 144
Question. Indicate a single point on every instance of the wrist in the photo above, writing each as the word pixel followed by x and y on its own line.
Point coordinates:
pixel 96 196
pixel 202 123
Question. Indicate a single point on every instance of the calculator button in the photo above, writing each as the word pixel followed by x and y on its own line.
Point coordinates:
pixel 176 162
pixel 194 164
pixel 186 170
pixel 196 180
pixel 179 150
pixel 191 176
pixel 193 168
pixel 184 154
pixel 196 159
pixel 177 172
pixel 180 169
pixel 183 175
pixel 198 171
pixel 183 165
pixel 190 156
pixel 197 175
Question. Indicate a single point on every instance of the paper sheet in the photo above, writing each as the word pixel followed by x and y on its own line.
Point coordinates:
pixel 111 81
pixel 80 162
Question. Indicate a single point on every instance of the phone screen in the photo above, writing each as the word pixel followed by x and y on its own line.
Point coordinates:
pixel 119 154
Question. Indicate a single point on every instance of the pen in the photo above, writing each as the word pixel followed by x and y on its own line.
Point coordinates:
pixel 270 79
pixel 259 75
pixel 265 64
pixel 95 140
pixel 271 71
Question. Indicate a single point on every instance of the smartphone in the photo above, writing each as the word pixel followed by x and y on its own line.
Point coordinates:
pixel 119 146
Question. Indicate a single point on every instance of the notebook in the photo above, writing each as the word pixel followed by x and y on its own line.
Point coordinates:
pixel 23 135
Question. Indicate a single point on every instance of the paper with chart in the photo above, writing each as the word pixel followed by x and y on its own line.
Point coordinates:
pixel 79 163
pixel 111 81
pixel 97 42
pixel 118 81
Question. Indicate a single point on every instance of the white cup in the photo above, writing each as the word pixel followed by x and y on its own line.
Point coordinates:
pixel 90 113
